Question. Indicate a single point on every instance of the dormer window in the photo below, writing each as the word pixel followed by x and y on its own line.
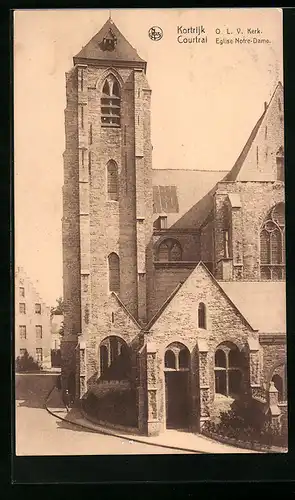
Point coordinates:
pixel 110 103
pixel 163 221
pixel 109 42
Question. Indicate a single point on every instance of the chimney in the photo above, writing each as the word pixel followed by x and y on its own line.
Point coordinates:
pixel 265 105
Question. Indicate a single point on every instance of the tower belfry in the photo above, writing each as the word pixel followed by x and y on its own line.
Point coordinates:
pixel 107 192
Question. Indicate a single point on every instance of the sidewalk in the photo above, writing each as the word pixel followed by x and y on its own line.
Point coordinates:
pixel 173 439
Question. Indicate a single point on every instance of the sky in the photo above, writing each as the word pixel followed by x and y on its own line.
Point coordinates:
pixel 206 99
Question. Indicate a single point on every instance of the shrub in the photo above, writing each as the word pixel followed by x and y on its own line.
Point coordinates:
pixel 242 425
pixel 26 363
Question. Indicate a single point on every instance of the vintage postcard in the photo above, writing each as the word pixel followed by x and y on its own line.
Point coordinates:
pixel 149 232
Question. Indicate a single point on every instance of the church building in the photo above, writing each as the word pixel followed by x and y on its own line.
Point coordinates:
pixel 174 280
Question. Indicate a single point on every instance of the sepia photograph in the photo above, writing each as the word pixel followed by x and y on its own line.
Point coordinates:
pixel 149 187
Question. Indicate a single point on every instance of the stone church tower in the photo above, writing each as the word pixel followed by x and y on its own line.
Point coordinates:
pixel 107 197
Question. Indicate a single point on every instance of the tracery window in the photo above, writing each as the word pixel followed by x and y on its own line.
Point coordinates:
pixel 169 250
pixel 272 245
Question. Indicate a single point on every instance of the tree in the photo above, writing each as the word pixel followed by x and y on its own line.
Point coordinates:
pixel 59 308
pixel 26 363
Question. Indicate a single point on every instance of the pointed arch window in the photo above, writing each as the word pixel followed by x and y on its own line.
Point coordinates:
pixel 169 250
pixel 272 245
pixel 112 180
pixel 202 315
pixel 111 103
pixel 114 273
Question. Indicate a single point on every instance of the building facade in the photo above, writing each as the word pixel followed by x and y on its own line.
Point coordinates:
pixel 174 280
pixel 32 321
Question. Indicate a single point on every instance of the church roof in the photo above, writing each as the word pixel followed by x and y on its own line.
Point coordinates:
pixel 122 51
pixel 233 174
pixel 175 191
pixel 262 303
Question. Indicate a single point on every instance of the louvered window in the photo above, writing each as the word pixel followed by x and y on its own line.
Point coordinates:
pixel 111 103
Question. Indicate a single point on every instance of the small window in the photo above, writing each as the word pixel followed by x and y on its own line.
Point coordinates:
pixel 22 352
pixel 21 291
pixel 279 104
pixel 38 332
pixel 22 332
pixel 265 133
pixel 202 315
pixel 37 308
pixel 112 181
pixel 39 354
pixel 163 222
pixel 183 358
pixel 113 318
pixel 22 308
pixel 170 359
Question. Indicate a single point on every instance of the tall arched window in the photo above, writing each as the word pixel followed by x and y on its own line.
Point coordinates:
pixel 202 315
pixel 110 103
pixel 228 370
pixel 112 180
pixel 280 160
pixel 272 244
pixel 114 273
pixel 169 250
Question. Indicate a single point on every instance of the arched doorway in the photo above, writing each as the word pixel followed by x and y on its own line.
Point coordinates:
pixel 177 386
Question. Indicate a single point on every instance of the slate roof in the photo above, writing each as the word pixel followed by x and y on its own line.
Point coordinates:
pixel 262 303
pixel 123 50
pixel 176 192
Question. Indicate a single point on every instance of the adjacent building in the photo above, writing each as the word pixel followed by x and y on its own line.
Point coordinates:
pixel 32 321
pixel 174 280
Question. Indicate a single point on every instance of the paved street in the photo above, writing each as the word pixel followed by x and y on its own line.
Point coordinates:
pixel 39 433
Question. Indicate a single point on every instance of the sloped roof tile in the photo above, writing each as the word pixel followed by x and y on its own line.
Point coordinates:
pixel 123 50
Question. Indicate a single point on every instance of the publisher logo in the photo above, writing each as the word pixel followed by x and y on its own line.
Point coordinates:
pixel 155 33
